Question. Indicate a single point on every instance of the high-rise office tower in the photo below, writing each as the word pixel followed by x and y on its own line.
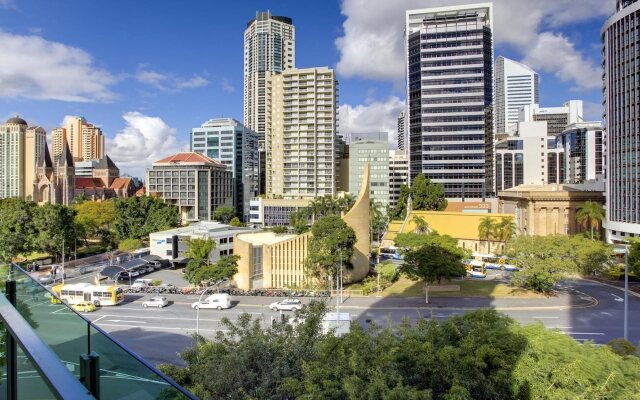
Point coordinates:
pixel 301 133
pixel 35 141
pixel 86 141
pixel 12 135
pixel 236 146
pixel 269 48
pixel 398 174
pixel 557 118
pixel 516 86
pixel 402 122
pixel 450 97
pixel 373 149
pixel 621 57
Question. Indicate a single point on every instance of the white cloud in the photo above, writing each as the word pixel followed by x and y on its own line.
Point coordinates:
pixel 372 45
pixel 168 82
pixel 35 68
pixel 377 116
pixel 227 86
pixel 143 140
pixel 554 53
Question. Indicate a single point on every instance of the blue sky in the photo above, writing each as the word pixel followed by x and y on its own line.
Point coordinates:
pixel 148 71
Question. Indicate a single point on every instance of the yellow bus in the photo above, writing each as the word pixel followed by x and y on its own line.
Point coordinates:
pixel 80 292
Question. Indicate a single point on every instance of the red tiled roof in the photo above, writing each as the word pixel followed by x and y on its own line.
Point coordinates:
pixel 141 191
pixel 89 183
pixel 120 183
pixel 190 157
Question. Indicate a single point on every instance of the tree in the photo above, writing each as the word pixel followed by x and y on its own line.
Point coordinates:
pixel 279 229
pixel 421 224
pixel 225 268
pixel 299 221
pixel 545 260
pixel 224 214
pixel 591 213
pixel 505 229
pixel 433 262
pixel 634 256
pixel 331 244
pixel 235 221
pixel 486 230
pixel 413 241
pixel 199 252
pixel 16 228
pixel 137 217
pixel 54 227
pixel 425 196
pixel 94 215
pixel 378 219
pixel 129 245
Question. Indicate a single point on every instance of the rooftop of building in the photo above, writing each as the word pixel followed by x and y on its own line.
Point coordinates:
pixel 590 186
pixel 204 228
pixel 189 158
pixel 16 120
pixel 264 238
pixel 266 15
pixel 459 225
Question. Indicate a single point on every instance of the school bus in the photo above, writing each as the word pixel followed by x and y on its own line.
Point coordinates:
pixel 81 292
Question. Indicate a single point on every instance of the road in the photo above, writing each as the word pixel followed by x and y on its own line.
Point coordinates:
pixel 159 335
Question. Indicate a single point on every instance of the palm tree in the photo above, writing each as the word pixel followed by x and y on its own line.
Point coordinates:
pixel 506 228
pixel 378 219
pixel 590 212
pixel 486 230
pixel 421 224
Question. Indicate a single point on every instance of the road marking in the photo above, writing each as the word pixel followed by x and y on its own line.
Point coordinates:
pixel 165 328
pixel 617 298
pixel 584 333
pixel 96 320
pixel 58 310
pixel 129 321
pixel 162 318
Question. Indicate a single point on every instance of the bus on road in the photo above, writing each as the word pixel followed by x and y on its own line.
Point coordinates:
pixel 389 253
pixel 81 292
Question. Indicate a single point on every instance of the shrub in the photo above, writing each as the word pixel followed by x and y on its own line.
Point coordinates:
pixel 156 282
pixel 622 347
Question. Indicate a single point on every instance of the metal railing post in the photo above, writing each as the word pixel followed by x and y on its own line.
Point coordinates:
pixel 12 346
pixel 90 373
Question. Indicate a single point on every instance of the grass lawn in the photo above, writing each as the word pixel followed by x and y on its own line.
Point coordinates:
pixel 405 287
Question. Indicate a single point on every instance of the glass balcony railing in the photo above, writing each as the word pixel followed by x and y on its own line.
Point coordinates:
pixel 116 372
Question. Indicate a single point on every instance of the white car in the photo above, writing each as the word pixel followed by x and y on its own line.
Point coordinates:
pixel 287 305
pixel 157 301
pixel 219 301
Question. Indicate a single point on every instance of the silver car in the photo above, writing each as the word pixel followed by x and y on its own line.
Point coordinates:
pixel 156 301
pixel 287 305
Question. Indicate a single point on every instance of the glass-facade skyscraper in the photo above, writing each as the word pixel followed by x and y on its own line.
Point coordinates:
pixel 450 97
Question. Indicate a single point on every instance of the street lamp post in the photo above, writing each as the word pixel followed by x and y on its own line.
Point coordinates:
pixel 626 293
pixel 62 262
pixel 200 299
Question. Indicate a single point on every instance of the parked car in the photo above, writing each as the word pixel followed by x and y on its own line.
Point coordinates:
pixel 138 283
pixel 156 301
pixel 148 268
pixel 218 300
pixel 134 272
pixel 84 306
pixel 46 280
pixel 287 305
pixel 123 276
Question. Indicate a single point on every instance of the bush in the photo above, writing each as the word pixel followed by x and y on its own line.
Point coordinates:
pixel 156 282
pixel 622 347
pixel 388 272
pixel 129 244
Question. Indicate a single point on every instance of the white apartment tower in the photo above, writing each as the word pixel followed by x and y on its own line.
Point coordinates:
pixel 398 173
pixel 621 62
pixel 516 86
pixel 450 97
pixel 269 48
pixel 301 133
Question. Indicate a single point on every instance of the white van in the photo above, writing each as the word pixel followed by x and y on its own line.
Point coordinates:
pixel 218 300
pixel 141 283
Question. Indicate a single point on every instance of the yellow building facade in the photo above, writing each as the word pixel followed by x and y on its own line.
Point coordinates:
pixel 462 226
pixel 270 260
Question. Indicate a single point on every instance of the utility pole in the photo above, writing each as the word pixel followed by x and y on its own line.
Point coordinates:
pixel 62 262
pixel 626 293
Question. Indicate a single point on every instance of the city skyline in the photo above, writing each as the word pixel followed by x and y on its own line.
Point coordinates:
pixel 147 100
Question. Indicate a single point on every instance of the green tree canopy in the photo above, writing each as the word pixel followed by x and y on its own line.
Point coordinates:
pixel 224 214
pixel 128 245
pixel 279 229
pixel 235 221
pixel 137 217
pixel 332 243
pixel 378 219
pixel 477 355
pixel 54 226
pixel 199 251
pixel 16 228
pixel 433 262
pixel 299 221
pixel 545 260
pixel 225 268
pixel 425 196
